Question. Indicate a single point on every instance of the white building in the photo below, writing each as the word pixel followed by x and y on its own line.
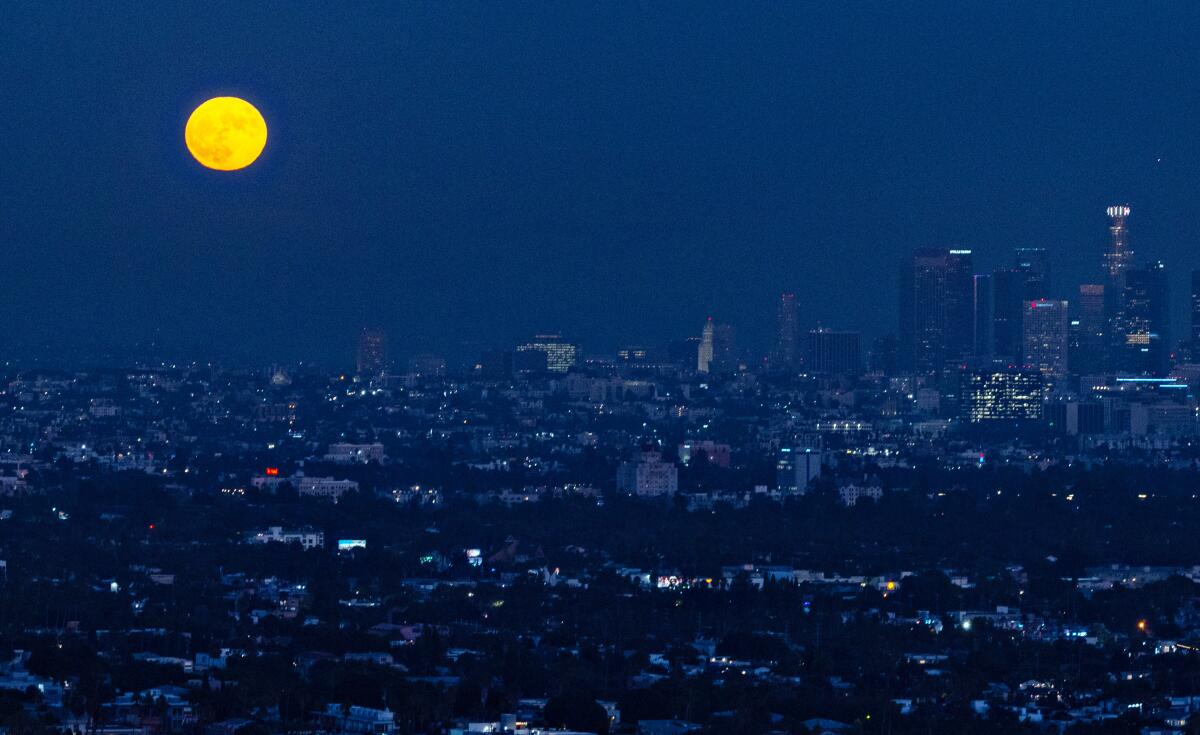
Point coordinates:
pixel 323 487
pixel 852 493
pixel 307 537
pixel 649 477
pixel 355 720
pixel 704 353
pixel 345 453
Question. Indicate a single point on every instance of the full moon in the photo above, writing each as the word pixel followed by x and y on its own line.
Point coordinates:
pixel 226 133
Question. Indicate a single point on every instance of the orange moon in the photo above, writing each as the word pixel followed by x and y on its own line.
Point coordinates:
pixel 226 134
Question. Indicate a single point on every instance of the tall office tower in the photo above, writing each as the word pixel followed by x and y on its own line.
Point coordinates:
pixel 1195 345
pixel 958 304
pixel 885 355
pixel 1034 268
pixel 1001 395
pixel 724 348
pixel 1007 297
pixel 833 353
pixel 1087 341
pixel 704 352
pixel 561 354
pixel 1044 330
pixel 1027 280
pixel 1140 334
pixel 786 331
pixel 983 315
pixel 935 309
pixel 372 351
pixel 1118 259
pixel 1119 256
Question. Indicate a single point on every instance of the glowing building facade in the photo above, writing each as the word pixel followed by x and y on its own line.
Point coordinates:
pixel 561 354
pixel 1118 260
pixel 717 352
pixel 704 351
pixel 1002 395
pixel 1119 256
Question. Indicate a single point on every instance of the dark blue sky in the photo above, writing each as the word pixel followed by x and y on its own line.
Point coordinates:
pixel 468 173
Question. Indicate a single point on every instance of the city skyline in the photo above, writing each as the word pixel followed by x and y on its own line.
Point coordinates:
pixel 617 196
pixel 599 368
pixel 1020 280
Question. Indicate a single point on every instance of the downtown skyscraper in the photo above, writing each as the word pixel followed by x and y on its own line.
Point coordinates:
pixel 704 351
pixel 1087 330
pixel 1141 340
pixel 983 315
pixel 1044 336
pixel 1118 258
pixel 1194 347
pixel 371 358
pixel 829 352
pixel 786 332
pixel 561 354
pixel 1135 305
pixel 1027 280
pixel 936 315
pixel 717 350
pixel 1034 266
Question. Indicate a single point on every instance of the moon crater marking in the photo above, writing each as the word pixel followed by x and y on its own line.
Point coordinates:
pixel 226 134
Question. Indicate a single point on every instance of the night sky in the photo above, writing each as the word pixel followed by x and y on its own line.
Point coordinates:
pixel 465 174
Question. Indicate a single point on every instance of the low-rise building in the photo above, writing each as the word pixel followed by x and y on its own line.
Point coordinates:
pixel 309 538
